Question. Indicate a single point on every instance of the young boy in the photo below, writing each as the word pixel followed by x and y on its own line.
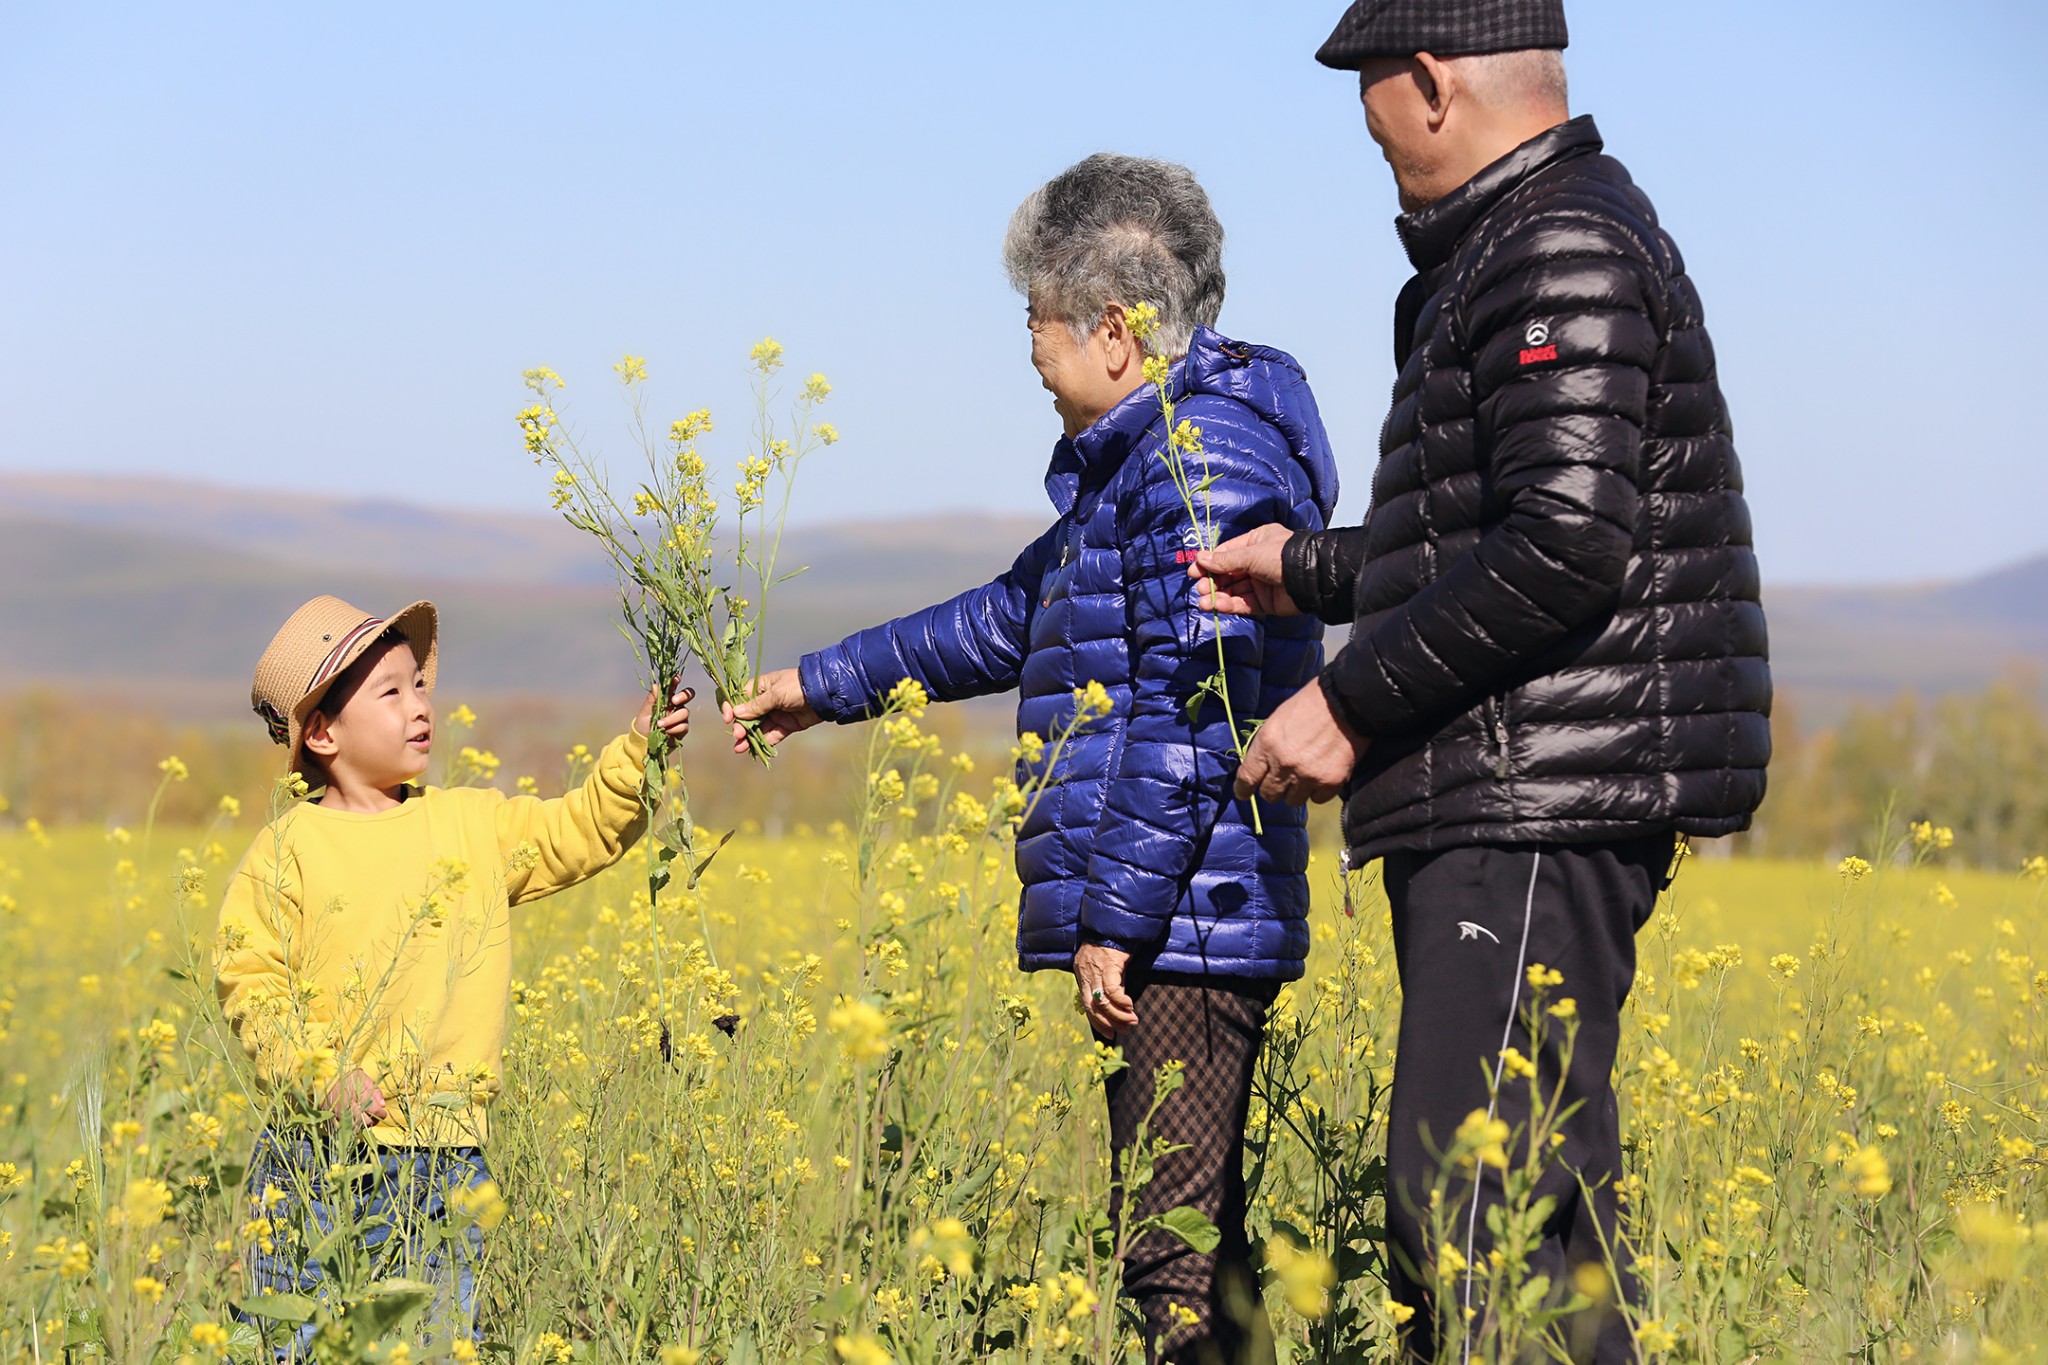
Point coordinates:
pixel 364 956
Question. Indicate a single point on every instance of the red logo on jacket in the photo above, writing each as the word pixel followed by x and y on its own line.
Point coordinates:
pixel 1532 354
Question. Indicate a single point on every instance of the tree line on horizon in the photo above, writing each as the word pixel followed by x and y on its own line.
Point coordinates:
pixel 1975 763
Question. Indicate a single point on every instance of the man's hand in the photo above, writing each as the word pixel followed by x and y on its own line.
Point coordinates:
pixel 355 1100
pixel 674 722
pixel 1303 752
pixel 1099 977
pixel 778 704
pixel 1242 576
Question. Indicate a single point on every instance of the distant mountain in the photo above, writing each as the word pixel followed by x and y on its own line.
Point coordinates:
pixel 168 591
pixel 313 531
pixel 1832 647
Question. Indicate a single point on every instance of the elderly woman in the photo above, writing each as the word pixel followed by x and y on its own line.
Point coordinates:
pixel 1142 876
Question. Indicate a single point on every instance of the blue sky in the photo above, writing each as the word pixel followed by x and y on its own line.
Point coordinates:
pixel 313 246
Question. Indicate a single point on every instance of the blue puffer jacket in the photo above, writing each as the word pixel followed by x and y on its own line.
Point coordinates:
pixel 1137 842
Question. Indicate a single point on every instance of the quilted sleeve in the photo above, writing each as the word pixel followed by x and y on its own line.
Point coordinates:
pixel 1561 336
pixel 1320 571
pixel 1172 774
pixel 967 647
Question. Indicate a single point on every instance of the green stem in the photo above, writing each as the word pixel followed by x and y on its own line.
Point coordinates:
pixel 1204 523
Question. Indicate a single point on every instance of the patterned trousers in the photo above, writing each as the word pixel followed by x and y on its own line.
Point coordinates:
pixel 1198 1307
pixel 393 1216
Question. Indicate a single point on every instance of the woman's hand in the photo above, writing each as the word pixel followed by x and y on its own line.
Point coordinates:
pixel 778 704
pixel 674 722
pixel 1243 577
pixel 1099 977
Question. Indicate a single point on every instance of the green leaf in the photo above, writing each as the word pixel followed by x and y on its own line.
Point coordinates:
pixel 963 1192
pixel 839 1306
pixel 698 871
pixel 384 1306
pixel 1192 1226
pixel 292 1308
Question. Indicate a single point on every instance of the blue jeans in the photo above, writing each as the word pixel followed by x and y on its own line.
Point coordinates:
pixel 397 1212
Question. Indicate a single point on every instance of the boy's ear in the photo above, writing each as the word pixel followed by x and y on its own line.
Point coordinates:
pixel 317 736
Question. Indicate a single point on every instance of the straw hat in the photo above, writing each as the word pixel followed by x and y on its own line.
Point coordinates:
pixel 311 649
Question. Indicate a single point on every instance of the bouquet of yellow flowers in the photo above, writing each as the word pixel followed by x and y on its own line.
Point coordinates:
pixel 676 598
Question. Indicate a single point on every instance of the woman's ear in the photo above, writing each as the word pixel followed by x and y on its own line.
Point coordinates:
pixel 1121 348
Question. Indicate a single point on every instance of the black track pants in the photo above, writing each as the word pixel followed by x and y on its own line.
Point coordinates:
pixel 1214 1026
pixel 1468 923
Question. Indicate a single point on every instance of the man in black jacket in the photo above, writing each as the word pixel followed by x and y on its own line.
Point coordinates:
pixel 1557 661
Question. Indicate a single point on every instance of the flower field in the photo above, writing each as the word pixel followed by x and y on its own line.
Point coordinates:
pixel 811 1112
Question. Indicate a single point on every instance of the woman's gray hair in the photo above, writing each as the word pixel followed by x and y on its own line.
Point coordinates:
pixel 1125 230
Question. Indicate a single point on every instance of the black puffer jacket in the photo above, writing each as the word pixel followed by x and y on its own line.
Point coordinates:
pixel 1556 633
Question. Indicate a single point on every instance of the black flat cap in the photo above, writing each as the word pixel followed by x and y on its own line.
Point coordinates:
pixel 1442 28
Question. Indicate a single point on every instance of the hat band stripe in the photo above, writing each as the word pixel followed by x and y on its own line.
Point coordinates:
pixel 332 663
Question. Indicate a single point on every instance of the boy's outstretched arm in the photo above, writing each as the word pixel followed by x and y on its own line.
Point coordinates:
pixel 551 845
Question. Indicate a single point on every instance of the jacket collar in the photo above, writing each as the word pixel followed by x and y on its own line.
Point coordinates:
pixel 1433 232
pixel 1091 457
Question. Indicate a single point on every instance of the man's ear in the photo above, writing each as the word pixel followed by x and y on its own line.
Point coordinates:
pixel 317 735
pixel 1439 86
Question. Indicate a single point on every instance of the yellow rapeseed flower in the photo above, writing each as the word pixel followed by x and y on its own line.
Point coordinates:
pixel 861 1350
pixel 1653 1337
pixel 1482 1137
pixel 484 1202
pixel 146 1204
pixel 1305 1276
pixel 862 1030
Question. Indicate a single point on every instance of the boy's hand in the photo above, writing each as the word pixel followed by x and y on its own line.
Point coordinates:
pixel 355 1100
pixel 674 722
pixel 778 704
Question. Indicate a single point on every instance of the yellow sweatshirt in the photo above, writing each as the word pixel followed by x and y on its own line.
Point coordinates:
pixel 384 941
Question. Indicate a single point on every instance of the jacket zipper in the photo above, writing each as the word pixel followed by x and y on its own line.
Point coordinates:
pixel 1498 706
